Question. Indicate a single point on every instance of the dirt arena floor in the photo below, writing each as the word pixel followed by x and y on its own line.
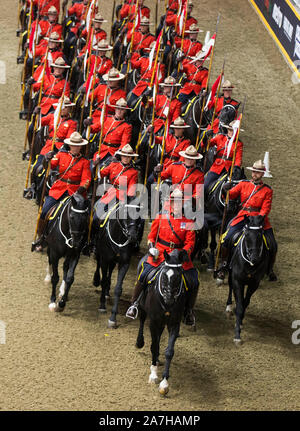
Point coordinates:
pixel 71 361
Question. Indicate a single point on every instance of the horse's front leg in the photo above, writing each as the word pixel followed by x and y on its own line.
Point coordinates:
pixel 173 335
pixel 252 287
pixel 213 246
pixel 104 285
pixel 238 289
pixel 54 280
pixel 122 270
pixel 69 279
pixel 156 330
pixel 229 299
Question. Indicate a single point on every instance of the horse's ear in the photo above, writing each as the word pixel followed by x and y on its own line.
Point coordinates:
pixel 183 256
pixel 246 219
pixel 166 256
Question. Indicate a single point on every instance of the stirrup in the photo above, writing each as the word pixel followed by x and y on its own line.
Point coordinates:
pixel 133 308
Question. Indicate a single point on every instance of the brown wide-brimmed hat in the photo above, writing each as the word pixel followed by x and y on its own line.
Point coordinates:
pixel 230 126
pixel 170 82
pixel 60 63
pixel 52 11
pixel 145 21
pixel 190 153
pixel 176 194
pixel 76 140
pixel 227 85
pixel 102 45
pixel 113 75
pixel 194 29
pixel 179 124
pixel 67 103
pixel 54 37
pixel 258 166
pixel 99 18
pixel 120 104
pixel 126 151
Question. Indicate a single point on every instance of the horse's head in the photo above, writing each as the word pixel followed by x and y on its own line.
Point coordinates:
pixel 78 219
pixel 227 115
pixel 171 276
pixel 253 234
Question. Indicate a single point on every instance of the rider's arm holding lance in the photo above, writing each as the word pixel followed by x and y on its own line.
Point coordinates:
pixel 26 58
pixel 131 44
pixel 48 159
pixel 36 116
pixel 227 193
pixel 207 85
pixel 97 166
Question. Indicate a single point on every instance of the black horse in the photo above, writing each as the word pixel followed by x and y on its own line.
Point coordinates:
pixel 164 303
pixel 115 241
pixel 250 261
pixel 213 215
pixel 191 114
pixel 65 235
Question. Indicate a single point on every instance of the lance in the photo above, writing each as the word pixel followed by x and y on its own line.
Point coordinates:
pixel 152 137
pixel 35 119
pixel 88 132
pixel 131 44
pixel 213 117
pixel 25 58
pixel 30 91
pixel 162 155
pixel 227 194
pixel 207 82
pixel 112 22
pixel 97 167
pixel 49 165
pixel 151 86
pixel 88 70
pixel 182 36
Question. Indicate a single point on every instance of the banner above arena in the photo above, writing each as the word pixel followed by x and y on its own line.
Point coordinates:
pixel 282 20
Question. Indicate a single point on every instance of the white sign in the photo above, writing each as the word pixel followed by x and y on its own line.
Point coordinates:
pixel 277 15
pixel 288 28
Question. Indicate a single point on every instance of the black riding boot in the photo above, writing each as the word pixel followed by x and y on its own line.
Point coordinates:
pixel 38 244
pixel 132 311
pixel 190 304
pixel 221 272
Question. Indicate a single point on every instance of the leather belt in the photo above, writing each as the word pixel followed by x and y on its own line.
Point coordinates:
pixel 51 96
pixel 109 144
pixel 227 158
pixel 251 209
pixel 69 181
pixel 170 244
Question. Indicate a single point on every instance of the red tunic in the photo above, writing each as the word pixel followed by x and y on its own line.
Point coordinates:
pixel 44 6
pixel 197 78
pixel 142 63
pixel 52 91
pixel 52 56
pixel 123 179
pixel 80 174
pixel 128 11
pixel 172 19
pixel 113 95
pixel 140 41
pixel 190 48
pixel 163 108
pixel 104 64
pixel 47 28
pixel 116 134
pixel 165 233
pixel 173 146
pixel 259 203
pixel 221 103
pixel 221 159
pixel 64 130
pixel 181 176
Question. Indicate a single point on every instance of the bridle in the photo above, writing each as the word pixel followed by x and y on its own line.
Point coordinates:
pixel 160 284
pixel 68 241
pixel 124 229
pixel 245 255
